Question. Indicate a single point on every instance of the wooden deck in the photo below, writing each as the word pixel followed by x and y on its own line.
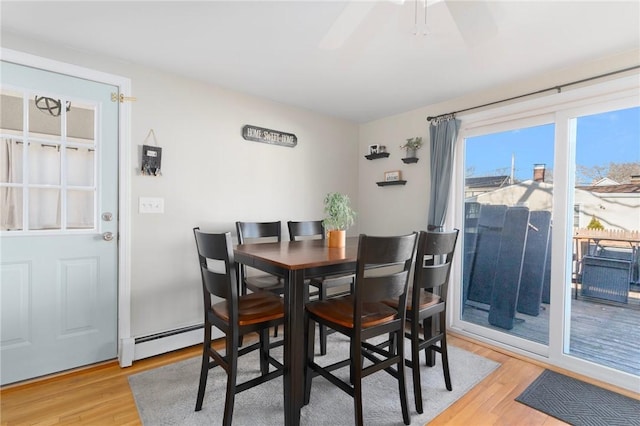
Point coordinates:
pixel 603 333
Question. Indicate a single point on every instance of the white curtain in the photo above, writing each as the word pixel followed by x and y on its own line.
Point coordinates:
pixel 10 172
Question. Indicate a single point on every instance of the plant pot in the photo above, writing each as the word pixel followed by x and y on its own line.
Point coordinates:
pixel 411 152
pixel 337 238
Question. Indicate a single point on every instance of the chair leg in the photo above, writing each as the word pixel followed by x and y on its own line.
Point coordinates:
pixel 402 385
pixel 204 369
pixel 356 380
pixel 264 351
pixel 445 355
pixel 429 354
pixel 231 386
pixel 323 329
pixel 415 365
pixel 309 357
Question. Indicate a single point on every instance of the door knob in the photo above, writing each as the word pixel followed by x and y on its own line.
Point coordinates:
pixel 107 236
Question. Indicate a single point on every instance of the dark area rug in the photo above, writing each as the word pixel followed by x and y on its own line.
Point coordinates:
pixel 578 403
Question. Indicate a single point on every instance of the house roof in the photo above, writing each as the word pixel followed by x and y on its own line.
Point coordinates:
pixel 623 188
pixel 487 181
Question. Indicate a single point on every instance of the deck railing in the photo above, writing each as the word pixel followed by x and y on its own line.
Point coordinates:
pixel 608 235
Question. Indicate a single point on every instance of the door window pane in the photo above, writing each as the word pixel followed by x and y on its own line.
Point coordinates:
pixel 80 213
pixel 605 283
pixel 44 164
pixel 81 123
pixel 11 213
pixel 11 150
pixel 508 204
pixel 80 166
pixel 44 208
pixel 11 112
pixel 45 117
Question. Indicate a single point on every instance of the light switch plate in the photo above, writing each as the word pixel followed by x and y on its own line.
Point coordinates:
pixel 150 205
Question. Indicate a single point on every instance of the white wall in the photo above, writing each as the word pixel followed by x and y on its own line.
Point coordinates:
pixel 614 211
pixel 211 176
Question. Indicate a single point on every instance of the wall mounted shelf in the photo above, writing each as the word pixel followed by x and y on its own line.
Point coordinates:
pixel 410 160
pixel 376 156
pixel 392 182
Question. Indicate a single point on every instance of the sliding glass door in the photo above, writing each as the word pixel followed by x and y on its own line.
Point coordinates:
pixel 548 196
pixel 508 202
pixel 605 308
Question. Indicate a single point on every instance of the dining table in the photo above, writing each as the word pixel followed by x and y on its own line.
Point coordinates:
pixel 295 262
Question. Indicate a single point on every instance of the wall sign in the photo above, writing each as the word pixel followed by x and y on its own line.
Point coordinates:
pixel 274 137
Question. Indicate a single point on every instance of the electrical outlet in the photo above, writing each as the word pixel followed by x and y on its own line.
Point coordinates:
pixel 150 205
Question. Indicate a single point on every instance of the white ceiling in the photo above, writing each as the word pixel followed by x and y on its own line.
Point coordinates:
pixel 278 50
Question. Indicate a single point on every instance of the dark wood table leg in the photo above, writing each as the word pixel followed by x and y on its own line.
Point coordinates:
pixel 294 298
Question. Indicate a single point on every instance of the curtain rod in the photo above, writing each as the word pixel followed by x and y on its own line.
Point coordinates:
pixel 557 88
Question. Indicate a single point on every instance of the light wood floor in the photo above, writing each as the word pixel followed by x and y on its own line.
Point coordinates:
pixel 100 395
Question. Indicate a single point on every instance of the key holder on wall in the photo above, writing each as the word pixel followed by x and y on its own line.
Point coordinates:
pixel 151 156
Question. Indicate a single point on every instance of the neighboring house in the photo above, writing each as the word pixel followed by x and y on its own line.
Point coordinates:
pixel 617 206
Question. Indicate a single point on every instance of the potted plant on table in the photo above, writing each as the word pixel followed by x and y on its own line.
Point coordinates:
pixel 340 216
pixel 412 145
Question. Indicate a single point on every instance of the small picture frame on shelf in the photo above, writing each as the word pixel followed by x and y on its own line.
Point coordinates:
pixel 374 149
pixel 392 176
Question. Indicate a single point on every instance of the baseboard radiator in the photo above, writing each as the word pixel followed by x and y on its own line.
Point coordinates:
pixel 159 343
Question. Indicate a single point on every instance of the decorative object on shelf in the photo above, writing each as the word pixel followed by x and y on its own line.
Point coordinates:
pixel 373 149
pixel 392 182
pixel 412 145
pixel 392 176
pixel 273 137
pixel 340 216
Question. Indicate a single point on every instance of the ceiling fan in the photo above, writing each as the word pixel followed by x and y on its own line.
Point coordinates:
pixel 474 19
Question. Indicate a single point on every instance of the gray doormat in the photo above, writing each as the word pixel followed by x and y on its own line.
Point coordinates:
pixel 578 403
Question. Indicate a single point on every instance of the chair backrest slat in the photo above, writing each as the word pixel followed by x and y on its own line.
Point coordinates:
pixel 217 267
pixel 258 230
pixel 382 270
pixel 305 229
pixel 433 261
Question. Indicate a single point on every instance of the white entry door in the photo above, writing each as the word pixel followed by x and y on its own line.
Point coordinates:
pixel 59 222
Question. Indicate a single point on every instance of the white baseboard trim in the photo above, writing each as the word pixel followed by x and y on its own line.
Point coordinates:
pixel 127 347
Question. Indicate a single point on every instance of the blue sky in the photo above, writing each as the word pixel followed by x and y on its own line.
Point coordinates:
pixel 602 139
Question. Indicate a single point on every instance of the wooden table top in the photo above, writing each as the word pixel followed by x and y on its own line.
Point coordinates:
pixel 295 255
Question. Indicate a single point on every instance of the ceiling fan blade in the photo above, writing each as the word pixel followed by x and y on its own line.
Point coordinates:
pixel 474 20
pixel 344 26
